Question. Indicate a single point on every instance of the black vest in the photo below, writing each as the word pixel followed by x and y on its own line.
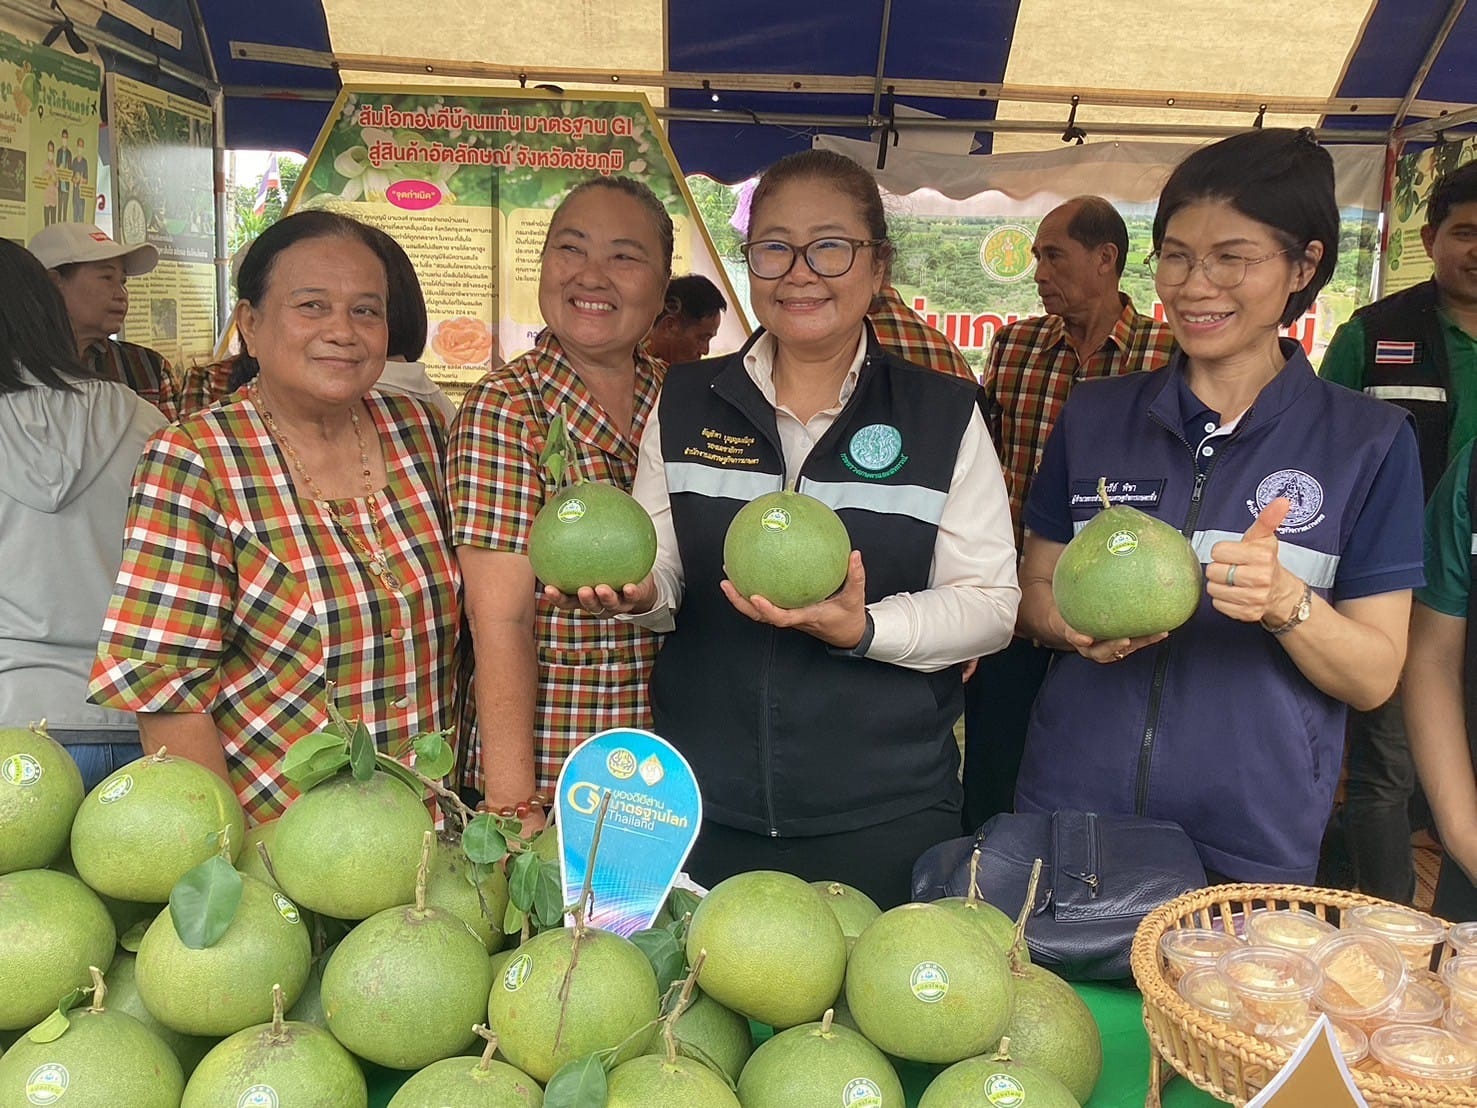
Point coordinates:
pixel 787 736
pixel 1415 376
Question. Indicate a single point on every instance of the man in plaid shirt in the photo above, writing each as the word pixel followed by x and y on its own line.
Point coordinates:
pixel 900 329
pixel 1090 330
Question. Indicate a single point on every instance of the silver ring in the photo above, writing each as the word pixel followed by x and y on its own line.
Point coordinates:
pixel 1231 577
pixel 1118 655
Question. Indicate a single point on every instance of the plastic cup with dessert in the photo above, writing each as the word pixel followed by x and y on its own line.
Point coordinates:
pixel 1363 974
pixel 1272 989
pixel 1187 948
pixel 1430 1054
pixel 1415 933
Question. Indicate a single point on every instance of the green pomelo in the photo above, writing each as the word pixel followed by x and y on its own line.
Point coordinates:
pixel 52 927
pixel 721 1034
pixel 227 986
pixel 653 1082
pixel 1051 1029
pixel 250 862
pixel 543 1020
pixel 126 913
pixel 123 996
pixel 982 1081
pixel 350 848
pixel 775 952
pixel 923 986
pixel 148 824
pixel 406 986
pixel 591 534
pixel 309 1006
pixel 40 792
pixel 103 1060
pixel 997 926
pixel 788 548
pixel 1126 574
pixel 854 909
pixel 295 1065
pixel 469 1083
pixel 815 1064
pixel 454 886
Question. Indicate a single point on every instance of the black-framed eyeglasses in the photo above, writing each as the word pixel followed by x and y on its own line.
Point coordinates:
pixel 832 256
pixel 1224 271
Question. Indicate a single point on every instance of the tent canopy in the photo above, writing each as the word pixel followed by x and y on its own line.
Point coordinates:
pixel 773 73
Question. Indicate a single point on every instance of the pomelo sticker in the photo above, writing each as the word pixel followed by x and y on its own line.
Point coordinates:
pixel 1121 543
pixel 776 519
pixel 47 1083
pixel 286 908
pixel 570 511
pixel 621 763
pixel 258 1096
pixel 117 789
pixel 861 1093
pixel 20 770
pixel 1004 1091
pixel 876 446
pixel 517 973
pixel 929 982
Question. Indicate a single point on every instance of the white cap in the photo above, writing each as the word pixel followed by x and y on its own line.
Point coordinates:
pixel 63 243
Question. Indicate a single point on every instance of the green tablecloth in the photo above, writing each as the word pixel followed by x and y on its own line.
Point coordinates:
pixel 1124 1084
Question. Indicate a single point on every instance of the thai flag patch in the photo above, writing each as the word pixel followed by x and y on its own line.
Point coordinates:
pixel 1391 352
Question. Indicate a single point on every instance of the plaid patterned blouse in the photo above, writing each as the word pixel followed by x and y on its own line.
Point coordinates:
pixel 902 330
pixel 241 599
pixel 592 671
pixel 147 372
pixel 1032 369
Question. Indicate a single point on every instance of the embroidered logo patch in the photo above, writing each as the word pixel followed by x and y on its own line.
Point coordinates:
pixel 875 451
pixel 1302 489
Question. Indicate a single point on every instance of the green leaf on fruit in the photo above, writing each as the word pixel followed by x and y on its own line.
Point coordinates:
pixel 698 1054
pixel 523 880
pixel 397 770
pixel 665 955
pixel 548 896
pixel 309 754
pixel 54 1026
pixel 131 939
pixel 681 902
pixel 203 903
pixel 482 841
pixel 577 1084
pixel 434 756
pixel 513 917
pixel 361 753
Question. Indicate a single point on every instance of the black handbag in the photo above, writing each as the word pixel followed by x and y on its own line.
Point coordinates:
pixel 1100 876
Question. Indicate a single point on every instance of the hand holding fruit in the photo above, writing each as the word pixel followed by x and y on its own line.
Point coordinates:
pixel 1106 651
pixel 840 620
pixel 1245 580
pixel 603 600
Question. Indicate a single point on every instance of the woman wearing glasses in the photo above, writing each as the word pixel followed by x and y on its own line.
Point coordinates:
pixel 1303 500
pixel 821 736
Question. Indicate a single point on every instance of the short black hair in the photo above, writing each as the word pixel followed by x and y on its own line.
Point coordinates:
pixel 1095 222
pixel 36 336
pixel 1457 187
pixel 1274 175
pixel 693 297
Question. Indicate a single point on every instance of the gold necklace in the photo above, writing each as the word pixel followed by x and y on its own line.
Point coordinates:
pixel 375 559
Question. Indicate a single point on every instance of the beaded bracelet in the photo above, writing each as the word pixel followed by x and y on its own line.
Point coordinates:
pixel 539 799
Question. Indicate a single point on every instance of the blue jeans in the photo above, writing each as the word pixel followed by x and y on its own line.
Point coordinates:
pixel 98 760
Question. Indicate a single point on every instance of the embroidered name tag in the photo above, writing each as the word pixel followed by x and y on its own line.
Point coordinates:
pixel 1140 493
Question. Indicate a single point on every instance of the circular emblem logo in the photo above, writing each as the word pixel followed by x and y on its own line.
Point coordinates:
pixel 652 771
pixel 861 1093
pixel 876 446
pixel 1004 1091
pixel 621 763
pixel 1121 543
pixel 929 982
pixel 1005 253
pixel 47 1083
pixel 258 1096
pixel 570 511
pixel 517 973
pixel 776 519
pixel 21 770
pixel 1301 488
pixel 286 908
pixel 117 789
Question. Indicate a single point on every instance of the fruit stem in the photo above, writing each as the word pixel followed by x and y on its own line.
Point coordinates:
pixel 586 902
pixel 684 998
pixel 458 808
pixel 973 896
pixel 423 871
pixel 1002 1054
pixel 39 727
pixel 99 989
pixel 1102 492
pixel 226 843
pixel 261 850
pixel 1017 967
pixel 279 1032
pixel 826 1021
pixel 160 755
pixel 488 1051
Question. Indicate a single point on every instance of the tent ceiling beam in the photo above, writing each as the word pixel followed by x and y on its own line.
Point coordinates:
pixel 865 85
pixel 124 12
pixel 103 40
pixel 1430 128
pixel 1432 53
pixel 880 76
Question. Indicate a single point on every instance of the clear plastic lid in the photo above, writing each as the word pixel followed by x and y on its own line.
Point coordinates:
pixel 1271 988
pixel 1353 1042
pixel 1293 930
pixel 1424 1053
pixel 1188 947
pixel 1417 1003
pixel 1460 974
pixel 1203 988
pixel 1415 933
pixel 1463 937
pixel 1363 973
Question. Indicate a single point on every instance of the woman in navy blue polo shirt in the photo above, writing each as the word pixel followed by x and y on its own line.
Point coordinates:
pixel 1303 500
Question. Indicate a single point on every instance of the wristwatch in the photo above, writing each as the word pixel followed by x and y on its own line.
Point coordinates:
pixel 1299 614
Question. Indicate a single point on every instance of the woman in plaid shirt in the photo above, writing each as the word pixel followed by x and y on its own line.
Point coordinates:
pixel 288 543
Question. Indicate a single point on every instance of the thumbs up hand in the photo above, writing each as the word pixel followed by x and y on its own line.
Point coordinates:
pixel 1244 577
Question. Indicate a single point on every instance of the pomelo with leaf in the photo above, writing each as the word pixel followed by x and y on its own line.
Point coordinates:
pixel 52 928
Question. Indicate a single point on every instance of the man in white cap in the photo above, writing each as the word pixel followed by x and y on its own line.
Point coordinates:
pixel 91 270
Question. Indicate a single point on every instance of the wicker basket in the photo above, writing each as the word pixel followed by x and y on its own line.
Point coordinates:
pixel 1226 1062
